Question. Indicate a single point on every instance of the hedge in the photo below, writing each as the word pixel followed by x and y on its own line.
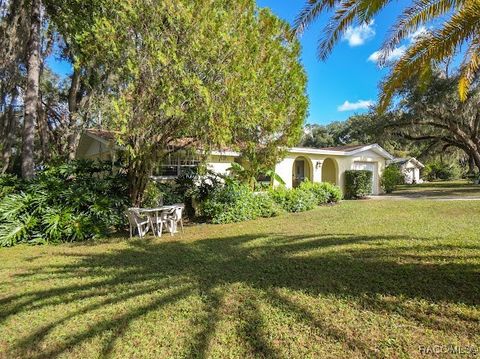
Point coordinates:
pixel 391 178
pixel 358 184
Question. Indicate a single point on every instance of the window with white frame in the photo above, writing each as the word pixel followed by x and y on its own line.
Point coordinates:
pixel 177 163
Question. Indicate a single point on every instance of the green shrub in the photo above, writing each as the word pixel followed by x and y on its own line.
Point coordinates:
pixel 335 193
pixel 438 171
pixel 294 200
pixel 195 188
pixel 473 177
pixel 358 184
pixel 235 202
pixel 391 178
pixel 9 184
pixel 324 192
pixel 266 206
pixel 70 202
pixel 157 194
pixel 153 196
pixel 202 186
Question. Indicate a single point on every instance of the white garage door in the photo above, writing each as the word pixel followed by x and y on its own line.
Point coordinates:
pixel 368 166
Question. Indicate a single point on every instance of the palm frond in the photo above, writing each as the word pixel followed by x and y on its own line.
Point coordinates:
pixel 412 18
pixel 432 48
pixel 470 67
pixel 344 16
pixel 310 12
pixel 367 9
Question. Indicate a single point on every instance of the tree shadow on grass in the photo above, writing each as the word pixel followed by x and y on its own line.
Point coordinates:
pixel 358 267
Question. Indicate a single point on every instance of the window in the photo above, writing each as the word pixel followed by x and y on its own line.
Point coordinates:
pixel 177 163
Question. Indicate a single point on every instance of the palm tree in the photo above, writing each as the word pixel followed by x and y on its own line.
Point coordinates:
pixel 460 27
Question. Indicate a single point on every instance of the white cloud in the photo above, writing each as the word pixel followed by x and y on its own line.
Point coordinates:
pixel 392 56
pixel 421 31
pixel 352 106
pixel 398 52
pixel 357 35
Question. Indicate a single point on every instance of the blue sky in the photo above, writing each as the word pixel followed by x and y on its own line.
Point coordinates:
pixel 348 74
pixel 348 81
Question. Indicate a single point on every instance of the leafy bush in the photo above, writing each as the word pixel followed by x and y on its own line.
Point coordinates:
pixel 195 188
pixel 153 196
pixel 235 202
pixel 324 192
pixel 157 194
pixel 358 183
pixel 204 185
pixel 391 178
pixel 9 184
pixel 335 193
pixel 474 177
pixel 70 202
pixel 438 171
pixel 266 206
pixel 294 200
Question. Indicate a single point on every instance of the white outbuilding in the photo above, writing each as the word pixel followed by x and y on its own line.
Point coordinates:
pixel 410 167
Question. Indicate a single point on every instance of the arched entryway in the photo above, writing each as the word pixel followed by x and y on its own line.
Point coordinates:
pixel 329 171
pixel 302 170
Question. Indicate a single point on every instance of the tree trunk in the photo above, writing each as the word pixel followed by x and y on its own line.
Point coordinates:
pixel 476 158
pixel 138 179
pixel 73 143
pixel 73 133
pixel 8 134
pixel 471 164
pixel 32 91
pixel 43 132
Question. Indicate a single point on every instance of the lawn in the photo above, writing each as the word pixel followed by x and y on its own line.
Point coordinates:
pixel 433 190
pixel 361 279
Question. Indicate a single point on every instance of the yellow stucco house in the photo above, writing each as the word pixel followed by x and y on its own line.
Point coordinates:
pixel 315 164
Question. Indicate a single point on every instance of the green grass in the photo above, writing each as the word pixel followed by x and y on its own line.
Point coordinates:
pixel 440 189
pixel 361 279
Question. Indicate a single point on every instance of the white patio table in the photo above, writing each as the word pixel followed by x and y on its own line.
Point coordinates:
pixel 153 214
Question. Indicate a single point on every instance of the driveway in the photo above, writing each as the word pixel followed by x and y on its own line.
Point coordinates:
pixel 439 191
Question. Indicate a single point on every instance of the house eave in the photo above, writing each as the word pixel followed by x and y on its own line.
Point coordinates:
pixel 416 162
pixel 318 151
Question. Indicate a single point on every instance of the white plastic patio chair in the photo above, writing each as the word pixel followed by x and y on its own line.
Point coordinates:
pixel 177 217
pixel 161 219
pixel 172 217
pixel 138 222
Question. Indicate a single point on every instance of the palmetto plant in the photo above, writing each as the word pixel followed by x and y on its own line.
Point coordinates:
pixel 460 27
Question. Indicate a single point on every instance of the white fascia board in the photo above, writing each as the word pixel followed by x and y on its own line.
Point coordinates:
pixel 375 147
pixel 417 162
pixel 317 151
pixel 225 153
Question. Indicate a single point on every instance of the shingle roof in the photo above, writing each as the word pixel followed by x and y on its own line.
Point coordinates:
pixel 400 161
pixel 175 142
pixel 105 134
